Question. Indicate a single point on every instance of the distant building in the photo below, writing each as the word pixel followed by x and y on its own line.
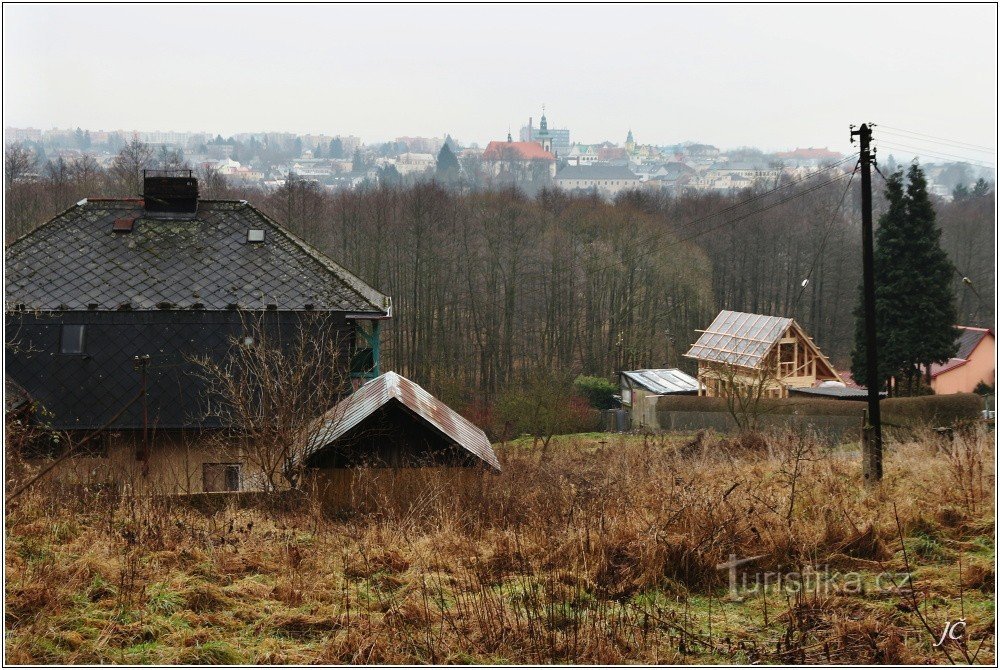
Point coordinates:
pixel 975 363
pixel 607 180
pixel 521 160
pixel 581 154
pixel 414 163
pixel 810 157
pixel 558 138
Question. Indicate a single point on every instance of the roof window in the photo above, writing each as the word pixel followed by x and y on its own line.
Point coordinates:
pixel 255 235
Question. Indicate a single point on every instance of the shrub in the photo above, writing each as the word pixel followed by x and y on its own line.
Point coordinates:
pixel 937 410
pixel 598 391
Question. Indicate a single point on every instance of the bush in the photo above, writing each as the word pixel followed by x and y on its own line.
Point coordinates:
pixel 598 391
pixel 936 410
pixel 542 408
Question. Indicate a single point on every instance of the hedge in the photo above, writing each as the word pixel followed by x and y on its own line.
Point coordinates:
pixel 937 410
pixel 934 410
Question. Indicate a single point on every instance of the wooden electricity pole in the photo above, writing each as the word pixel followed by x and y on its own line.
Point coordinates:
pixel 872 442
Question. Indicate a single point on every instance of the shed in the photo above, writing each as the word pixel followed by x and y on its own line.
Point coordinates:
pixel 393 422
pixel 639 385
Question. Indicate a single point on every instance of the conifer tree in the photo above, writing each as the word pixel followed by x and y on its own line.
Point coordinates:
pixel 914 304
pixel 448 169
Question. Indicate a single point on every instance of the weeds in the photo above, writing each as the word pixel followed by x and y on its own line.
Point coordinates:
pixel 604 552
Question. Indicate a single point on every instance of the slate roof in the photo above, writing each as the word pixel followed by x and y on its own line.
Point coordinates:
pixel 596 172
pixel 77 262
pixel 662 382
pixel 968 339
pixel 392 387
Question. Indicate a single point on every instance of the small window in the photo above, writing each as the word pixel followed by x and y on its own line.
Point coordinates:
pixel 255 235
pixel 221 477
pixel 72 339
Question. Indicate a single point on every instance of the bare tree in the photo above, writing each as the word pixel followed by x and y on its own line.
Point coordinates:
pixel 745 390
pixel 128 165
pixel 270 391
pixel 18 161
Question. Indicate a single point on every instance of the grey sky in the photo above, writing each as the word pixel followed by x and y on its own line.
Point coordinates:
pixel 770 76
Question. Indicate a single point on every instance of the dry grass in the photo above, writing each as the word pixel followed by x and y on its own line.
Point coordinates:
pixel 603 552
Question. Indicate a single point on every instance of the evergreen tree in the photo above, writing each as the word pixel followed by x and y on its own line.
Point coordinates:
pixel 448 169
pixel 932 326
pixel 960 193
pixel 336 148
pixel 914 304
pixel 981 188
pixel 358 164
pixel 318 151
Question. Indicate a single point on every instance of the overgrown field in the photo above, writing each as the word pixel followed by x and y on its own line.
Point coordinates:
pixel 602 549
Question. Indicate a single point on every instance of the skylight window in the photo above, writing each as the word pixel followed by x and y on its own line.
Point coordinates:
pixel 255 235
pixel 72 340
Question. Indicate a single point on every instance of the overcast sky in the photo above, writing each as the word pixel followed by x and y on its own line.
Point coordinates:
pixel 770 76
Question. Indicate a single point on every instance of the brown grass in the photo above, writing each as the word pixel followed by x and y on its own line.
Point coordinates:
pixel 603 552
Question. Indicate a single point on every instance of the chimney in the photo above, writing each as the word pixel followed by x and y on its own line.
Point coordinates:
pixel 170 193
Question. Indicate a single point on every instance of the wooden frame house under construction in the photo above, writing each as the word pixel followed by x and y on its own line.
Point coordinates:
pixel 768 354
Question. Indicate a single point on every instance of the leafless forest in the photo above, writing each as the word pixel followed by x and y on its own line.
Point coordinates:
pixel 491 286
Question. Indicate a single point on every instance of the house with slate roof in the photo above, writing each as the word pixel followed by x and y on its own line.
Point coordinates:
pixel 113 296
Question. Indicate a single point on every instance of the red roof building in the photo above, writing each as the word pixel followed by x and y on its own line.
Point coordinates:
pixel 974 362
pixel 516 151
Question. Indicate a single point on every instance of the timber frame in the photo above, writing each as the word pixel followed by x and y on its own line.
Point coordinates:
pixel 791 360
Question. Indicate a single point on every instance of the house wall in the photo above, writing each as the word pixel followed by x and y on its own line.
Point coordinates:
pixel 979 367
pixel 175 464
pixel 85 391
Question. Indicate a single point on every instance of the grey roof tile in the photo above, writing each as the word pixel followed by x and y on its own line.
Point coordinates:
pixel 77 262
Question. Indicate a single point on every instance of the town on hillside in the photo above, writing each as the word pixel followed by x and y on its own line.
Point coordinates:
pixel 540 156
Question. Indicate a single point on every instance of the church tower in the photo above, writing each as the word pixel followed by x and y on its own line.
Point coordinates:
pixel 630 142
pixel 543 136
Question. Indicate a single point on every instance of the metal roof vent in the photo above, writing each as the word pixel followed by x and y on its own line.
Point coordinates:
pixel 255 235
pixel 170 193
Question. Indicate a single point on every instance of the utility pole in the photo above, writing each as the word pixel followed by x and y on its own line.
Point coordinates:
pixel 872 442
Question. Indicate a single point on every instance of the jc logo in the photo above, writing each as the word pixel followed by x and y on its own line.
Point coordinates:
pixel 951 631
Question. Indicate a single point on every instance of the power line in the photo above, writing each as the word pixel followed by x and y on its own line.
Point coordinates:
pixel 946 144
pixel 940 139
pixel 756 197
pixel 826 236
pixel 934 154
pixel 646 247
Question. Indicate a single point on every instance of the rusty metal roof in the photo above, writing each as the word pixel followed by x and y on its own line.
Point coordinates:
pixel 390 387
